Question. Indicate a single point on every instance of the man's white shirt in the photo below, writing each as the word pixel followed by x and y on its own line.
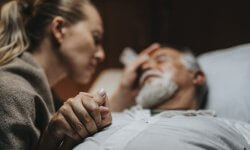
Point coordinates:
pixel 138 129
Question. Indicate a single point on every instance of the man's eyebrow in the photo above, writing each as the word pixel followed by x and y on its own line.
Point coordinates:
pixel 159 54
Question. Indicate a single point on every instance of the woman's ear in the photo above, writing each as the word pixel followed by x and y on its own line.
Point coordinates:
pixel 57 29
pixel 199 78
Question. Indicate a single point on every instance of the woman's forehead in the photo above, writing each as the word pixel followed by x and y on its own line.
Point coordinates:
pixel 93 19
pixel 93 16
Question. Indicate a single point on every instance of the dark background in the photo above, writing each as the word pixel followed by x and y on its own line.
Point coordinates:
pixel 202 25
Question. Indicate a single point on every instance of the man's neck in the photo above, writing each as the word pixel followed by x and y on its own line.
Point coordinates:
pixel 183 100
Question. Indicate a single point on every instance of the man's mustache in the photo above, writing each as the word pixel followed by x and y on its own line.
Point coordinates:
pixel 149 73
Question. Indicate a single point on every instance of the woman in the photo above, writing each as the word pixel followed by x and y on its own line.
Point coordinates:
pixel 63 38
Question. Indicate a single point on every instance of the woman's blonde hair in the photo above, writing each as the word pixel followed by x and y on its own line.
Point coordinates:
pixel 23 23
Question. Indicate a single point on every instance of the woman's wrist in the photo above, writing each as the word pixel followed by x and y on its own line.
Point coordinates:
pixel 48 141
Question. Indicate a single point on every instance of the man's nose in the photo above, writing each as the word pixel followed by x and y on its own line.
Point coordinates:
pixel 100 54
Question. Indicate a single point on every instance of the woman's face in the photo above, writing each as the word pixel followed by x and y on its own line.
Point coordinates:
pixel 82 49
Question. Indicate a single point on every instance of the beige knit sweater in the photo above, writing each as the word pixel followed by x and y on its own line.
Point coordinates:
pixel 26 103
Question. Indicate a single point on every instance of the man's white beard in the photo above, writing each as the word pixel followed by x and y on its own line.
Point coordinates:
pixel 157 91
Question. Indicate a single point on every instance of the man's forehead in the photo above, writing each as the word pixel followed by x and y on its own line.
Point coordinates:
pixel 166 51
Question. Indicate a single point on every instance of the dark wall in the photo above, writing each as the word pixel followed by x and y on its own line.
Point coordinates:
pixel 208 25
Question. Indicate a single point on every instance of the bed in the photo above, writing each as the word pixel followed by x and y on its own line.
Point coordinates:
pixel 227 74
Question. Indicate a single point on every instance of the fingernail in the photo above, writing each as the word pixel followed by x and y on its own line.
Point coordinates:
pixel 102 92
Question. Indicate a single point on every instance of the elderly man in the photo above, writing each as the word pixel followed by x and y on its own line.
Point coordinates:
pixel 163 79
pixel 167 87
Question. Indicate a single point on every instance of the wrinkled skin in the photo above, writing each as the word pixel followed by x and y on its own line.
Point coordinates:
pixel 78 118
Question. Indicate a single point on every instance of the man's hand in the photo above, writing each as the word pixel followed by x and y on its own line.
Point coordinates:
pixel 124 96
pixel 78 118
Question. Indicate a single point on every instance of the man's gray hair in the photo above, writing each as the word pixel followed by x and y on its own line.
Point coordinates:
pixel 190 62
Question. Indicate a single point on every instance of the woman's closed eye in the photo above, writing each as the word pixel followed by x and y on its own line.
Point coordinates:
pixel 97 39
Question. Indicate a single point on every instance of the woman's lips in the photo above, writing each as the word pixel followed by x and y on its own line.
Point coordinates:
pixel 91 69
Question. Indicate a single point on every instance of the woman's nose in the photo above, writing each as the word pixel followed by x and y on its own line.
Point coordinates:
pixel 100 55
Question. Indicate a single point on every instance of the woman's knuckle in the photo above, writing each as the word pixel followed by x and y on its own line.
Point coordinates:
pixel 69 101
pixel 86 118
pixel 64 108
pixel 81 94
pixel 78 126
pixel 95 109
pixel 92 129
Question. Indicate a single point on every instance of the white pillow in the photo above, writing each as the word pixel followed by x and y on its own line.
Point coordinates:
pixel 228 78
pixel 109 80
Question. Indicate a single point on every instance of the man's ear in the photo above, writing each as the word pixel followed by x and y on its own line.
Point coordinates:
pixel 57 29
pixel 199 78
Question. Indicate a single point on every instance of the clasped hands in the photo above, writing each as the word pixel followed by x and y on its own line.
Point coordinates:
pixel 78 118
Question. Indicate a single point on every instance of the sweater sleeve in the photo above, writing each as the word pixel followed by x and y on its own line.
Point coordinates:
pixel 20 107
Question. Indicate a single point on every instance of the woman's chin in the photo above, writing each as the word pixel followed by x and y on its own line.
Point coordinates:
pixel 83 80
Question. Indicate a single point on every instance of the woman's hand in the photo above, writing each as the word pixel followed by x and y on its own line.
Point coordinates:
pixel 78 118
pixel 124 96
